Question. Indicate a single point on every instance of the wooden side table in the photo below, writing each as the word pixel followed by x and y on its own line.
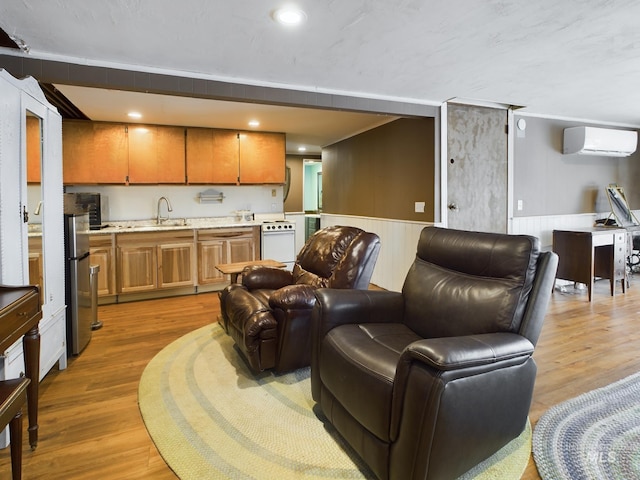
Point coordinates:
pixel 235 269
pixel 20 314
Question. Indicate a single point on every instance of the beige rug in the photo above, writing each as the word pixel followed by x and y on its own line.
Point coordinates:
pixel 211 418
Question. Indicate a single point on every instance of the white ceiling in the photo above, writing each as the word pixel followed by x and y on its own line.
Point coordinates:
pixel 572 58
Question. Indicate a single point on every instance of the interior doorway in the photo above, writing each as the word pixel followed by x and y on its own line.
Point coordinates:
pixel 477 168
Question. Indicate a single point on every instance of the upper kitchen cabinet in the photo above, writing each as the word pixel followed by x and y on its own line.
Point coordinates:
pixel 156 154
pixel 212 156
pixel 34 149
pixel 94 152
pixel 262 157
pixel 231 157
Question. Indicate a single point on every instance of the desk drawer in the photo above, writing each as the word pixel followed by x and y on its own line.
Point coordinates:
pixel 14 317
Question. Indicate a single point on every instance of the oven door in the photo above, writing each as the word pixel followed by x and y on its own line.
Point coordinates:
pixel 279 246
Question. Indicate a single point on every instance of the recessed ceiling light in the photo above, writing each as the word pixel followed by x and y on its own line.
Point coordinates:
pixel 254 123
pixel 134 115
pixel 302 149
pixel 289 16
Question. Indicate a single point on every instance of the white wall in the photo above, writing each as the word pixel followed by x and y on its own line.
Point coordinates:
pixel 398 243
pixel 139 202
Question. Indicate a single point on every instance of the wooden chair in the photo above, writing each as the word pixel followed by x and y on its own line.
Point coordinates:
pixel 13 395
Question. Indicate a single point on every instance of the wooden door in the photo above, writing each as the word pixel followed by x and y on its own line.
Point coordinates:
pixel 78 151
pixel 211 156
pixel 156 154
pixel 102 254
pixel 34 149
pixel 210 254
pixel 138 268
pixel 175 265
pixel 477 168
pixel 262 157
pixel 242 250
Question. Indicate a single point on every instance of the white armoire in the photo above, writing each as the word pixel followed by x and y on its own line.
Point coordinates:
pixel 20 99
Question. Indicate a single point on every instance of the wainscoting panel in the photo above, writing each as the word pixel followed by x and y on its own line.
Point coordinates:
pixel 398 242
pixel 543 226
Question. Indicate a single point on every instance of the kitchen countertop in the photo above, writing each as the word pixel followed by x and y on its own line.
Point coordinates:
pixel 35 230
pixel 174 224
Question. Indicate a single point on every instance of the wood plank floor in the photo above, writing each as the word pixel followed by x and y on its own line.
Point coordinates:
pixel 90 425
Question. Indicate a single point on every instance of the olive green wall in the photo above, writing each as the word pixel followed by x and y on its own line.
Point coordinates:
pixel 382 172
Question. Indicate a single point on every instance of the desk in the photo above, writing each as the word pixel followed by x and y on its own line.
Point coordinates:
pixel 591 252
pixel 234 269
pixel 20 314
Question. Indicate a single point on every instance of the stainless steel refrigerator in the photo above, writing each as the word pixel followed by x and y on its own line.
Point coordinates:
pixel 77 277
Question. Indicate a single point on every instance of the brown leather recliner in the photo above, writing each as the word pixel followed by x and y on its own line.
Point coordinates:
pixel 269 313
pixel 428 382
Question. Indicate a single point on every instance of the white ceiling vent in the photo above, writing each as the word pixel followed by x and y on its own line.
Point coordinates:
pixel 600 141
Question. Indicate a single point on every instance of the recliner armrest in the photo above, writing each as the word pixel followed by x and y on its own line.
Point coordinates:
pixel 257 277
pixel 289 297
pixel 451 353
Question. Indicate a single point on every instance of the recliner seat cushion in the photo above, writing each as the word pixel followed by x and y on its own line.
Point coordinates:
pixel 359 367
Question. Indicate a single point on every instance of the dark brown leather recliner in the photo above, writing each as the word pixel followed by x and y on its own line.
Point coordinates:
pixel 269 313
pixel 429 382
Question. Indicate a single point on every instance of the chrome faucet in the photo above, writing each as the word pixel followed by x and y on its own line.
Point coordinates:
pixel 160 219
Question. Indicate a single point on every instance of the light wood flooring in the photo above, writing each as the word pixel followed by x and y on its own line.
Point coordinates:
pixel 90 425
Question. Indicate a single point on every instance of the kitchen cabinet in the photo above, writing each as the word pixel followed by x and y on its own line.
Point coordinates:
pixel 225 245
pixel 34 149
pixel 94 152
pixel 155 260
pixel 36 265
pixel 175 266
pixel 156 154
pixel 212 156
pixel 231 157
pixel 102 251
pixel 262 157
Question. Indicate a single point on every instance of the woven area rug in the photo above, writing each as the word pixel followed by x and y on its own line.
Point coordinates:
pixel 211 418
pixel 593 436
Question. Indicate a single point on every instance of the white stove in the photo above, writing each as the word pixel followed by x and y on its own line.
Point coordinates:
pixel 278 242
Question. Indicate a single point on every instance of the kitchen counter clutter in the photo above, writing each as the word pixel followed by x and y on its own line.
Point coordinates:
pixel 143 259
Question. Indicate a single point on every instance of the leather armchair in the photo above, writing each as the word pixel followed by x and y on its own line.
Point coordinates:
pixel 428 382
pixel 269 313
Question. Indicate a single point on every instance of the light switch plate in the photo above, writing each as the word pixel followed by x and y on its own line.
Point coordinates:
pixel 419 208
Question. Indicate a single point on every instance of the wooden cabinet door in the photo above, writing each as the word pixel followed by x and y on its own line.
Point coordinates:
pixel 262 157
pixel 210 254
pixel 212 156
pixel 137 267
pixel 242 250
pixel 156 154
pixel 175 265
pixel 110 153
pixel 77 152
pixel 34 149
pixel 102 254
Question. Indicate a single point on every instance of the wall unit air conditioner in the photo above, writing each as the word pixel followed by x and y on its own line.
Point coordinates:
pixel 600 141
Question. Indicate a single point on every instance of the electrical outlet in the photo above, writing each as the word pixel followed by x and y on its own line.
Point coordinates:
pixel 520 205
pixel 274 207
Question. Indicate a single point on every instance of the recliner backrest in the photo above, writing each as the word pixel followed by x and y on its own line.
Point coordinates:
pixel 337 257
pixel 464 283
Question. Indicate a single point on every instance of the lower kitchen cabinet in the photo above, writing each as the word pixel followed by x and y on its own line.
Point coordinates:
pixel 102 250
pixel 224 245
pixel 155 260
pixel 137 265
pixel 175 265
pixel 137 268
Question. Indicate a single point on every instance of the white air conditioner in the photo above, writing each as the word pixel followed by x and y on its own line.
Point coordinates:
pixel 600 141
